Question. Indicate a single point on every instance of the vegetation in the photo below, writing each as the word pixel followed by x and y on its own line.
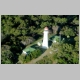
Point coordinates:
pixel 24 59
pixel 19 31
pixel 63 53
pixel 45 60
pixel 67 54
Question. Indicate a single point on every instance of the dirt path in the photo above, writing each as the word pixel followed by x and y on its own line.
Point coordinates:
pixel 40 57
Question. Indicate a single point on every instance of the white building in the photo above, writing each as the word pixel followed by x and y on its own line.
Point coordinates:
pixel 45 38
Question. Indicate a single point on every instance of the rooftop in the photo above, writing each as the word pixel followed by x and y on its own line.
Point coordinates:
pixel 46 28
pixel 29 49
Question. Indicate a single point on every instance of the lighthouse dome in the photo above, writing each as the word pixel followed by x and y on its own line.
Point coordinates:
pixel 46 28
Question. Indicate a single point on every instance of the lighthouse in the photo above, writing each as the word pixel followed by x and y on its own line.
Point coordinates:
pixel 45 38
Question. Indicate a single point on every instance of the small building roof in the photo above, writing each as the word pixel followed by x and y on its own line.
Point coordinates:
pixel 56 38
pixel 27 49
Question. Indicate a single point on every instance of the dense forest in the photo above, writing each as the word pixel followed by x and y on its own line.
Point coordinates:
pixel 19 31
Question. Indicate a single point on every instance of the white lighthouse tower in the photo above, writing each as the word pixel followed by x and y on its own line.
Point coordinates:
pixel 45 38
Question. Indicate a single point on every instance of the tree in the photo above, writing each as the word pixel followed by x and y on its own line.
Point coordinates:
pixel 75 57
pixel 76 43
pixel 68 31
pixel 6 55
pixel 58 20
pixel 43 24
pixel 21 59
pixel 45 17
pixel 75 21
pixel 2 37
pixel 36 53
pixel 67 55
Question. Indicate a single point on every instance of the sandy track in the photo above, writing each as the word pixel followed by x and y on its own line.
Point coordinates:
pixel 40 57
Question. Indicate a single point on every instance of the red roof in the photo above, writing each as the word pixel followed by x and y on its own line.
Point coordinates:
pixel 46 28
